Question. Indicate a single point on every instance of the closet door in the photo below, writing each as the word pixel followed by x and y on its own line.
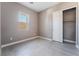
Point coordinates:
pixel 57 26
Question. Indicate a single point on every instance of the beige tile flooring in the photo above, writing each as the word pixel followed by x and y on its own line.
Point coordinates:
pixel 41 47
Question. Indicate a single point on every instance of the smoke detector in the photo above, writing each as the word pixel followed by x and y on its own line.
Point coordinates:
pixel 31 2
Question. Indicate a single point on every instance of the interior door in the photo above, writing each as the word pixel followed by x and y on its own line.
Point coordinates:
pixel 57 26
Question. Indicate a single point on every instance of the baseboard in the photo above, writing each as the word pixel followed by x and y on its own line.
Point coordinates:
pixel 5 45
pixel 45 38
pixel 69 41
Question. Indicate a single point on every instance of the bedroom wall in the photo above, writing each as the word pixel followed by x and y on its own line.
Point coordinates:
pixel 9 25
pixel 40 23
pixel 46 18
pixel 78 26
pixel 0 28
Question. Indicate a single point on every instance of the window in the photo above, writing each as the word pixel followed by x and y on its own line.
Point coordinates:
pixel 23 21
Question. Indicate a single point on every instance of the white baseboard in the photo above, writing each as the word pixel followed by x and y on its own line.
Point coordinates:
pixel 9 44
pixel 69 41
pixel 45 38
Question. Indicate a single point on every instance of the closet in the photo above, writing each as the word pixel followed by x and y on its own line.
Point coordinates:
pixel 69 25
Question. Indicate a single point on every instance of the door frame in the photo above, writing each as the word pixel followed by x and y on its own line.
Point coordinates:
pixel 76 6
pixel 75 24
pixel 76 42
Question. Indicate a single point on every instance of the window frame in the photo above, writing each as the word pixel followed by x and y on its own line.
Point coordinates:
pixel 27 19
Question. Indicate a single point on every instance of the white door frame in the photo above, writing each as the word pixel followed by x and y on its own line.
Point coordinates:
pixel 76 23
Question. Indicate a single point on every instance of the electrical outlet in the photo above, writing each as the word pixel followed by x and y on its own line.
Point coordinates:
pixel 11 38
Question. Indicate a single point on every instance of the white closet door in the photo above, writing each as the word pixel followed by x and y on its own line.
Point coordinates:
pixel 58 26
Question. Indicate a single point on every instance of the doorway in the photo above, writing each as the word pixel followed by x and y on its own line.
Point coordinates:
pixel 69 25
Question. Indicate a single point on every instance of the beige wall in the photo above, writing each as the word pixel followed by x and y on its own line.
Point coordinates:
pixel 0 28
pixel 9 18
pixel 45 24
pixel 45 18
pixel 78 26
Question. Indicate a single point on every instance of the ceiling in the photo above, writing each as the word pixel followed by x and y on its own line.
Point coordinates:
pixel 39 6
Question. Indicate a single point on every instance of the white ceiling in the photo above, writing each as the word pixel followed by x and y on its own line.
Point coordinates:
pixel 39 6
